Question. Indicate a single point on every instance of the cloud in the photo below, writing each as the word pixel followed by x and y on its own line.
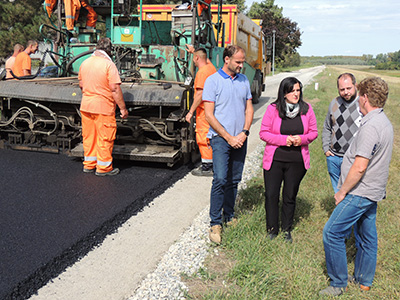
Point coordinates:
pixel 340 27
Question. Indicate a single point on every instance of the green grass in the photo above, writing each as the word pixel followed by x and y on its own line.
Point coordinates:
pixel 263 269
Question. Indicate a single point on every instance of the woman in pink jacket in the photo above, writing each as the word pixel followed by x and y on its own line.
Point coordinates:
pixel 288 126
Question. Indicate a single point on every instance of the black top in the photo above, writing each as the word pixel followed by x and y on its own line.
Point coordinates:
pixel 290 154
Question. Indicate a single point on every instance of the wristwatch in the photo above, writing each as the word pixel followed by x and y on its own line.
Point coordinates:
pixel 246 132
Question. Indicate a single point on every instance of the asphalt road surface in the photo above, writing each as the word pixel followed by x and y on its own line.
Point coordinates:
pixel 52 214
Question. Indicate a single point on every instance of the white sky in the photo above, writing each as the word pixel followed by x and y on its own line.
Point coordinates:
pixel 352 27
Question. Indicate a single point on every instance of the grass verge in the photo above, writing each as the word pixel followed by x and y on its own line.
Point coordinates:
pixel 249 266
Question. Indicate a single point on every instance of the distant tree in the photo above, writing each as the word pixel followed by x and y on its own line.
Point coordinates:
pixel 287 34
pixel 240 4
pixel 257 9
pixel 19 22
pixel 290 60
pixel 368 58
pixel 334 60
pixel 381 58
pixel 390 61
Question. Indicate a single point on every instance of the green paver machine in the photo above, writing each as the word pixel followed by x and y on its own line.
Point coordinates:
pixel 42 114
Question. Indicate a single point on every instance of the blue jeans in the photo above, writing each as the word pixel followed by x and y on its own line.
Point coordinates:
pixel 228 167
pixel 334 163
pixel 360 212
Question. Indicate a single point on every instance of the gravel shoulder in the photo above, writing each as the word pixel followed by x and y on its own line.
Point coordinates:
pixel 146 256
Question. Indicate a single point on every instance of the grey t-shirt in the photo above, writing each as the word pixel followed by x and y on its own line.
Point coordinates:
pixel 373 141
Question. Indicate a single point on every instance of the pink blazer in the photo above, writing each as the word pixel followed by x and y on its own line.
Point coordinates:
pixel 270 133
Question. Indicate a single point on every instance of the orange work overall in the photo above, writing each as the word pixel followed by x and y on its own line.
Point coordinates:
pixel 71 12
pixel 91 17
pixel 98 132
pixel 72 8
pixel 202 125
pixel 50 4
pixel 202 128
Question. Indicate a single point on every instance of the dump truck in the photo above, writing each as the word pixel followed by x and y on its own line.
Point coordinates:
pixel 237 29
pixel 157 72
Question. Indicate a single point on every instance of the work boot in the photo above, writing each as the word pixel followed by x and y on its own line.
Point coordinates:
pixel 205 169
pixel 333 291
pixel 215 234
pixel 88 170
pixel 110 173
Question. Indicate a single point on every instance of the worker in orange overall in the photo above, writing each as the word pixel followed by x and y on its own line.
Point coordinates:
pixel 72 8
pixel 205 69
pixel 101 92
pixel 23 63
pixel 18 48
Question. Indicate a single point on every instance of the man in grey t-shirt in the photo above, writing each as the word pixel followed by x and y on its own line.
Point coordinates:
pixel 362 184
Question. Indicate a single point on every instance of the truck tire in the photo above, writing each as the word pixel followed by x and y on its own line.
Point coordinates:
pixel 255 98
pixel 256 87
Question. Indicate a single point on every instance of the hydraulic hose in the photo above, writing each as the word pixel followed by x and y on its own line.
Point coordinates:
pixel 158 131
pixel 51 113
pixel 75 58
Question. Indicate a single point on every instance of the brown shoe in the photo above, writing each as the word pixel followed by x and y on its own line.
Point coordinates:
pixel 364 288
pixel 215 234
pixel 233 222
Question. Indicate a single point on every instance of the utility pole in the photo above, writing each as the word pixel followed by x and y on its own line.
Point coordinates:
pixel 273 52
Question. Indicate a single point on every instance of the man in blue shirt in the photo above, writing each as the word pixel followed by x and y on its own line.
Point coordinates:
pixel 229 111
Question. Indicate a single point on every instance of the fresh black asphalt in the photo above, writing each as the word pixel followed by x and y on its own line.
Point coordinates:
pixel 52 214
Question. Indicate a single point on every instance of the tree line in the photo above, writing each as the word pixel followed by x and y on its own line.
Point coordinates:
pixel 388 61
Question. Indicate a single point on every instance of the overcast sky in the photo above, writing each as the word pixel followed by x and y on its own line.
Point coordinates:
pixel 352 27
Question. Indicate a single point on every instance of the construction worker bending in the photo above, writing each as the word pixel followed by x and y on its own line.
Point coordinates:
pixel 72 9
pixel 205 69
pixel 101 92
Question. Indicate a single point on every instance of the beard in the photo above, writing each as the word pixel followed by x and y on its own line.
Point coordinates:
pixel 351 98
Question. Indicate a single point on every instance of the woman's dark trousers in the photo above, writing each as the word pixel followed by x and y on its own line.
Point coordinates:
pixel 291 174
